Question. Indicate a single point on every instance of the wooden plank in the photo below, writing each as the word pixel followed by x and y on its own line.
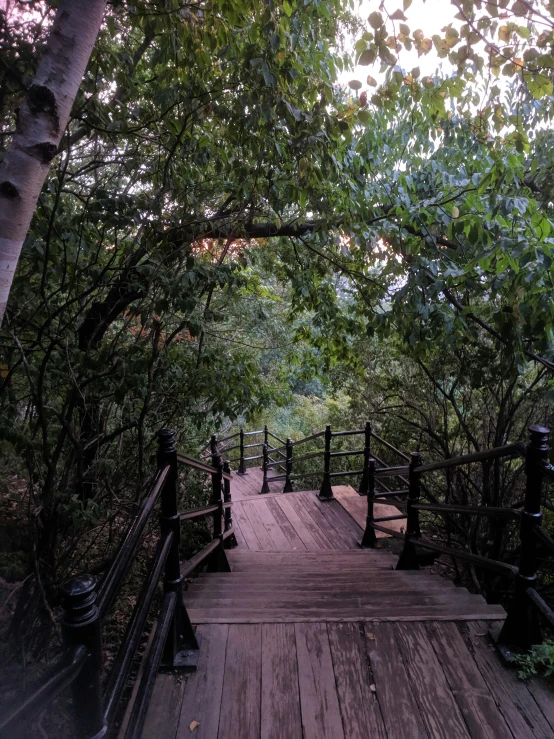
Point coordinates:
pixel 541 691
pixel 239 536
pixel 397 702
pixel 318 692
pixel 287 528
pixel 248 533
pixel 280 712
pixel 356 506
pixel 299 526
pixel 164 709
pixel 324 526
pixel 329 522
pixel 241 698
pixel 268 521
pixel 472 695
pixel 438 707
pixel 512 696
pixel 361 715
pixel 251 512
pixel 310 524
pixel 203 690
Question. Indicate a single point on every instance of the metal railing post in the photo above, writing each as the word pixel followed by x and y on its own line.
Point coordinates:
pixel 181 647
pixel 364 484
pixel 266 435
pixel 265 486
pixel 218 560
pixel 231 541
pixel 369 540
pixel 326 491
pixel 81 626
pixel 213 444
pixel 522 627
pixel 288 467
pixel 242 466
pixel 408 560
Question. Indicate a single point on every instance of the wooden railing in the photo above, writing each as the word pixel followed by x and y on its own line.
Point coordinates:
pixel 287 458
pixel 173 643
pixel 522 627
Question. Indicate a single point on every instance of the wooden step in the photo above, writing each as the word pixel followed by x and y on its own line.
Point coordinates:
pixel 310 561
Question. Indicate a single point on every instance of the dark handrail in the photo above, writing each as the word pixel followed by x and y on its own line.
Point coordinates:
pixel 48 689
pixel 389 446
pixel 277 438
pixel 251 433
pixel 197 512
pixel 500 451
pixel 472 510
pixel 151 667
pixel 131 641
pixel 355 432
pixel 541 605
pixel 347 453
pixel 309 438
pixel 127 548
pixel 391 471
pixel 191 564
pixel 226 438
pixel 198 465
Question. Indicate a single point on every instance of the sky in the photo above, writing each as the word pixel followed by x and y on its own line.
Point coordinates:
pixel 430 15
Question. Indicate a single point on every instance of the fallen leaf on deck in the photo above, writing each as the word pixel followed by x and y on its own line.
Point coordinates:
pixel 371 636
pixel 373 688
pixel 193 725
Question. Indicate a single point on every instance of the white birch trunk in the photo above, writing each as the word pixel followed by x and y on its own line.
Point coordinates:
pixel 43 117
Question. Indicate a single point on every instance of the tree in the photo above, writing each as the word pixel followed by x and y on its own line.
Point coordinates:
pixel 41 123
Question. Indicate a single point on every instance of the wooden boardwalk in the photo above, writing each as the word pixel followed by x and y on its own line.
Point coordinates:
pixel 310 637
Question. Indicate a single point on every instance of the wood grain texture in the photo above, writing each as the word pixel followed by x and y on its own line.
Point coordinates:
pixel 241 697
pixel 280 702
pixel 398 704
pixel 512 696
pixel 356 506
pixel 250 538
pixel 264 537
pixel 438 708
pixel 307 537
pixel 322 512
pixel 268 521
pixel 203 690
pixel 318 693
pixel 164 710
pixel 320 535
pixel 468 687
pixel 296 543
pixel 361 715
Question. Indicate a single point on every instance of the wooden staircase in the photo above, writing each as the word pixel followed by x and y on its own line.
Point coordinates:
pixel 349 585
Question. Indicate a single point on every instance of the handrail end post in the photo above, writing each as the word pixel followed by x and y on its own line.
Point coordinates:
pixel 326 490
pixel 242 466
pixel 288 466
pixel 408 559
pixel 521 629
pixel 265 484
pixel 81 625
pixel 369 539
pixel 231 541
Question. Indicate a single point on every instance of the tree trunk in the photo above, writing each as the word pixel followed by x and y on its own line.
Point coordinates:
pixel 42 120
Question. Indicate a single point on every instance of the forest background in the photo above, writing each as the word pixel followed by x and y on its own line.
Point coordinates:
pixel 239 229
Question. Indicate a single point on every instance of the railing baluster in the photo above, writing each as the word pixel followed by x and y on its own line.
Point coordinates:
pixel 408 560
pixel 181 647
pixel 231 541
pixel 288 467
pixel 213 444
pixel 326 491
pixel 266 435
pixel 369 540
pixel 265 455
pixel 81 626
pixel 522 627
pixel 364 484
pixel 242 466
pixel 218 560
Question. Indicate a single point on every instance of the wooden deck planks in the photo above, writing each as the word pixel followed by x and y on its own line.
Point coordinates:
pixel 468 687
pixel 319 701
pixel 296 543
pixel 280 701
pixel 398 704
pixel 265 517
pixel 361 715
pixel 241 696
pixel 249 535
pixel 309 541
pixel 323 515
pixel 203 690
pixel 521 712
pixel 323 537
pixel 438 707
